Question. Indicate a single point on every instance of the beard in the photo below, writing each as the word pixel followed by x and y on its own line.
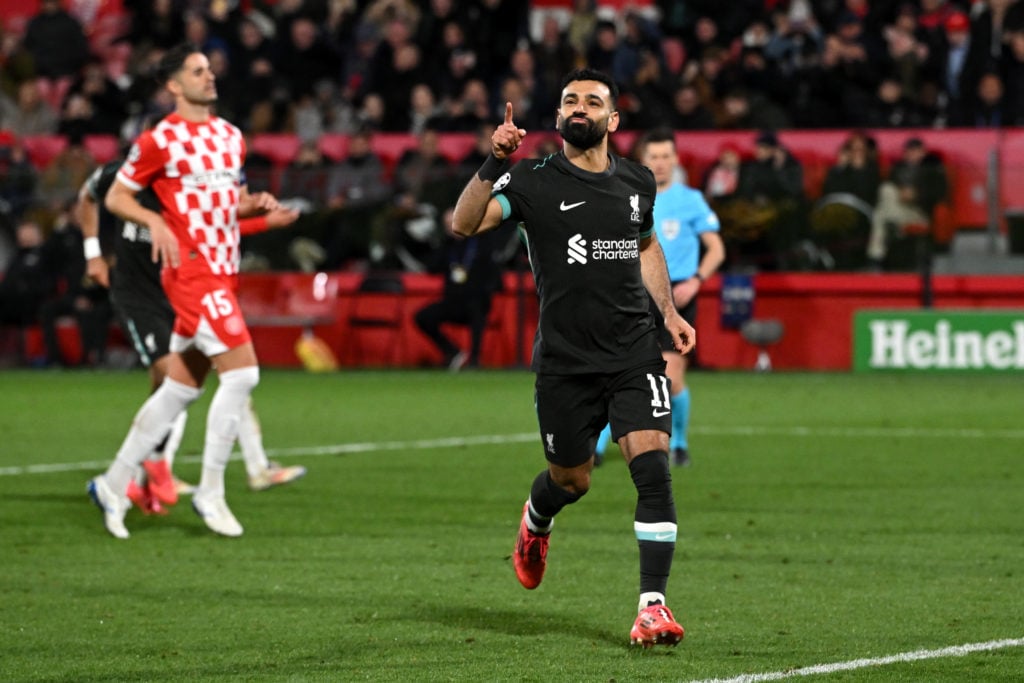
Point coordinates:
pixel 582 135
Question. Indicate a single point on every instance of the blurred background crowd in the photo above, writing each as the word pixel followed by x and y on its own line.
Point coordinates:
pixel 430 71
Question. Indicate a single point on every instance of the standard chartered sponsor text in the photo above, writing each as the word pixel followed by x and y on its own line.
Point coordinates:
pixel 895 345
pixel 614 250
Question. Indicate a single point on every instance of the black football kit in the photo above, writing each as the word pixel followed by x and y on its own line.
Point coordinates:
pixel 596 351
pixel 135 289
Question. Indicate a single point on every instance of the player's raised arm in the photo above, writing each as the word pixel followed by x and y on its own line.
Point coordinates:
pixel 475 210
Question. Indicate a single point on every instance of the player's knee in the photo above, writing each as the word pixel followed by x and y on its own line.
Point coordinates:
pixel 652 478
pixel 569 487
pixel 242 380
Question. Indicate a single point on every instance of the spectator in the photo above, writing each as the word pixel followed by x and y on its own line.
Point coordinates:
pixel 688 113
pixel 646 103
pixel 394 83
pixel 746 110
pixel 639 36
pixel 471 277
pixel 159 23
pixel 582 27
pixel 1013 68
pixel 63 176
pixel 467 111
pixel 722 179
pixel 306 176
pixel 988 108
pixel 425 183
pixel 356 193
pixel 456 65
pixel 950 63
pixel 56 42
pixel 18 177
pixel 917 183
pixel 890 108
pixel 16 64
pixel 496 27
pixel 600 52
pixel 841 219
pixel 540 105
pixel 772 189
pixel 81 297
pixel 423 110
pixel 28 280
pixel 30 114
pixel 106 100
pixel 554 56
pixel 848 70
pixel 303 58
pixel 856 171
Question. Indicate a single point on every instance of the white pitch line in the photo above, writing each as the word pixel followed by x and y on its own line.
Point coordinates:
pixel 335 449
pixel 917 655
pixel 504 439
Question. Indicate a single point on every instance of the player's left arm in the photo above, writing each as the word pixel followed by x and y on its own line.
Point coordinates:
pixel 256 203
pixel 714 255
pixel 260 211
pixel 655 275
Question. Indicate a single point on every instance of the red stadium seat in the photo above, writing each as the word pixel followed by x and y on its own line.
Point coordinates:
pixel 41 149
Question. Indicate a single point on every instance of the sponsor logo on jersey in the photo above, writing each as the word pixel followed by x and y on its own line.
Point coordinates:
pixel 568 207
pixel 577 249
pixel 602 250
pixel 501 182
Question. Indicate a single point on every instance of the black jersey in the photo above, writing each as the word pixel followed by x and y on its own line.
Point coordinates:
pixel 583 231
pixel 134 273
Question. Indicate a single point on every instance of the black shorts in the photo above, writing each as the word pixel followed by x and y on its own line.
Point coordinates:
pixel 573 409
pixel 689 313
pixel 147 321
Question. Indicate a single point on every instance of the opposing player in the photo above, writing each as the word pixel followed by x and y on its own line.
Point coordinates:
pixel 193 162
pixel 684 223
pixel 147 318
pixel 587 218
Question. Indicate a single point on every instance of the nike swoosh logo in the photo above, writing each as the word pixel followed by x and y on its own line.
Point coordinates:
pixel 664 537
pixel 565 207
pixel 661 413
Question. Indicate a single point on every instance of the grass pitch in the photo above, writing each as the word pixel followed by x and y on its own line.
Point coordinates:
pixel 827 518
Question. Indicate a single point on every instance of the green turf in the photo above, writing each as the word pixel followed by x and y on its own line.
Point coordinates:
pixel 826 518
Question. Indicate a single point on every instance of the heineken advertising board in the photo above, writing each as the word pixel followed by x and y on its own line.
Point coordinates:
pixel 938 340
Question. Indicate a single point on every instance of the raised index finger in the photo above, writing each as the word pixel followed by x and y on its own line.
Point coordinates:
pixel 508 112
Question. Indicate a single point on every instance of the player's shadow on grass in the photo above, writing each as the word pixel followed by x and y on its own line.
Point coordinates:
pixel 517 622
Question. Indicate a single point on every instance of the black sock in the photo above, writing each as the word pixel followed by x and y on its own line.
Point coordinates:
pixel 655 520
pixel 546 499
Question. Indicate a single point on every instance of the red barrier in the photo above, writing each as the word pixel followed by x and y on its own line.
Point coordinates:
pixel 816 309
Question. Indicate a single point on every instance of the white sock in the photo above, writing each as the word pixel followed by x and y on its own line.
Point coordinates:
pixel 148 428
pixel 648 599
pixel 250 438
pixel 222 422
pixel 174 439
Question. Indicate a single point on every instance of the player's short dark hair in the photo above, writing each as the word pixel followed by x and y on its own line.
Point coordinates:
pixel 587 74
pixel 173 60
pixel 657 135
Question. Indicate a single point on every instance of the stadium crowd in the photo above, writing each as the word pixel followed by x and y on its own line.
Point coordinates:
pixel 430 68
